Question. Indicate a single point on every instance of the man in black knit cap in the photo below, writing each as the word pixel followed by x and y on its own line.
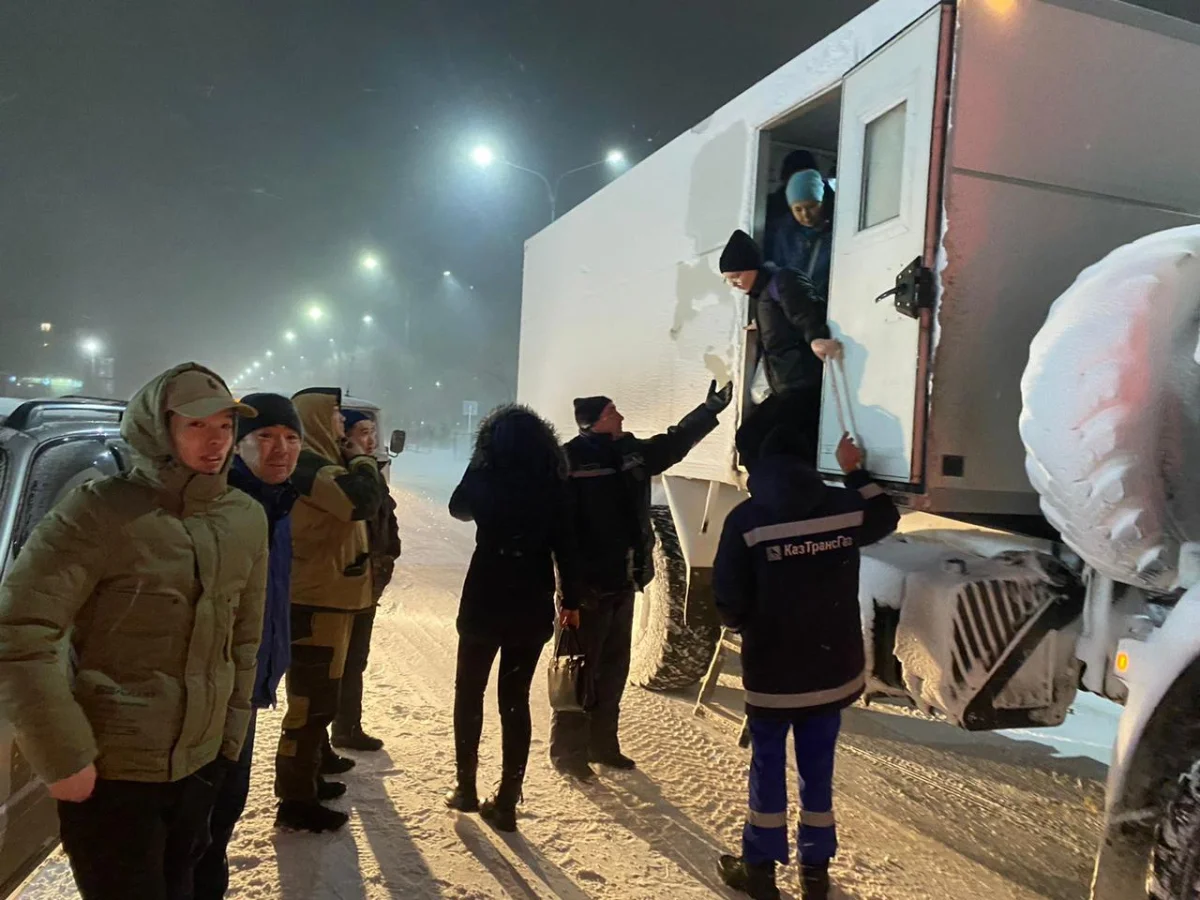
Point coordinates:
pixel 610 494
pixel 793 342
pixel 268 447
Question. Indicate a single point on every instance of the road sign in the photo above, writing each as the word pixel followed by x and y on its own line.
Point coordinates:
pixel 470 408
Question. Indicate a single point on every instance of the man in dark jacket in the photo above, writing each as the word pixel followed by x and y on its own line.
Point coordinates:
pixel 610 501
pixel 267 449
pixel 793 341
pixel 786 578
pixel 383 541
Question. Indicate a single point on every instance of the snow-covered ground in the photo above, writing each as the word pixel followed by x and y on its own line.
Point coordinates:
pixel 924 810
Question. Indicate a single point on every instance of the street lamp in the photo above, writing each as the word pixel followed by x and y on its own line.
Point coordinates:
pixel 447 274
pixel 369 262
pixel 483 156
pixel 367 320
pixel 315 313
pixel 91 348
pixel 290 337
pixel 269 354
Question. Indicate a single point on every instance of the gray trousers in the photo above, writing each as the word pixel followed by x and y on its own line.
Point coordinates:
pixel 606 636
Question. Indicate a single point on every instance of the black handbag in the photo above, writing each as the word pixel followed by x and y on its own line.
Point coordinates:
pixel 568 675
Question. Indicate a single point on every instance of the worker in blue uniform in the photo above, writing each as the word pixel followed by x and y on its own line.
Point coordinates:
pixel 786 578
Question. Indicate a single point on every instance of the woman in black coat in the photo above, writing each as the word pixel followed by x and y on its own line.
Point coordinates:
pixel 515 490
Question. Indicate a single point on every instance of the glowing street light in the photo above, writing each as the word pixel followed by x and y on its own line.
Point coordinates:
pixel 447 274
pixel 290 337
pixel 367 320
pixel 369 262
pixel 90 347
pixel 256 365
pixel 483 156
pixel 315 313
pixel 437 384
pixel 270 354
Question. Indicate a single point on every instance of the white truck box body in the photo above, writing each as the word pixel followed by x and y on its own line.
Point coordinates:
pixel 1071 129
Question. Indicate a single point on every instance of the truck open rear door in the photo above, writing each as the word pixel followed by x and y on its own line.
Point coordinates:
pixel 885 220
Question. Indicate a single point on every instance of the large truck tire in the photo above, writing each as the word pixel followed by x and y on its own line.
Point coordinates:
pixel 1175 863
pixel 668 654
pixel 1111 418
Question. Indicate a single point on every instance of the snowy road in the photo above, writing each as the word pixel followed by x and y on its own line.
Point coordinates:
pixel 924 811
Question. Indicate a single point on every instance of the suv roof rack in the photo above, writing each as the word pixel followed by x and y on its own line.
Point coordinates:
pixel 64 409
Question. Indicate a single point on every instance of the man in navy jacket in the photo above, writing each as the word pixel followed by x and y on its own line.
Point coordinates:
pixel 786 578
pixel 268 447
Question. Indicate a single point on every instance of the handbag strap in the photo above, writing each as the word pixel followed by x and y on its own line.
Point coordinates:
pixel 571 644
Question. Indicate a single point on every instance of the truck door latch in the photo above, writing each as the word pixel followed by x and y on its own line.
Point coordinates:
pixel 913 290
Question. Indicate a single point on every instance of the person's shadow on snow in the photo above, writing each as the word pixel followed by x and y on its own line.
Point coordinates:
pixel 314 867
pixel 635 803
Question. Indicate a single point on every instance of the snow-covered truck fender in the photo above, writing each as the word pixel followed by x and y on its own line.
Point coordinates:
pixel 1111 427
pixel 1157 748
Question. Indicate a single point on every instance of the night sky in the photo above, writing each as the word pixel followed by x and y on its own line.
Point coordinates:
pixel 181 179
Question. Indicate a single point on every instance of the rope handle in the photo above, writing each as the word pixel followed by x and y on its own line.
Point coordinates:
pixel 845 411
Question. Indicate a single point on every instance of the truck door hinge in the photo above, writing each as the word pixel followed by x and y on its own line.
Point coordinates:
pixel 913 291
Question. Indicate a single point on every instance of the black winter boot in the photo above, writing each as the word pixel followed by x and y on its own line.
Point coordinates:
pixel 356 740
pixel 501 811
pixel 332 764
pixel 755 879
pixel 614 760
pixel 464 797
pixel 329 790
pixel 814 882
pixel 309 815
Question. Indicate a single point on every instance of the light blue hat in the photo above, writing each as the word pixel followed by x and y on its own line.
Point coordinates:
pixel 805 186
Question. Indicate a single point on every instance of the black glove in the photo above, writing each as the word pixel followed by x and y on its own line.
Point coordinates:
pixel 718 400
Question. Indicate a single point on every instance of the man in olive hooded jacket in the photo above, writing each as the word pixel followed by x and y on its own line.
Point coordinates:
pixel 157 581
pixel 331 581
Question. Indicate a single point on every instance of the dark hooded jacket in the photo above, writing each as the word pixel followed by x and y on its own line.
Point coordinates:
pixel 275 649
pixel 790 316
pixel 610 499
pixel 786 577
pixel 515 490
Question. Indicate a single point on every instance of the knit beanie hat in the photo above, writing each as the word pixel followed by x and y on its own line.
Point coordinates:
pixel 272 410
pixel 796 161
pixel 805 186
pixel 588 410
pixel 741 254
pixel 353 416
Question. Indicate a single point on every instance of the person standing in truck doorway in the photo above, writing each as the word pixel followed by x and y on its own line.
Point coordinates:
pixel 331 582
pixel 153 582
pixel 779 211
pixel 383 540
pixel 805 243
pixel 786 579
pixel 609 490
pixel 268 447
pixel 793 342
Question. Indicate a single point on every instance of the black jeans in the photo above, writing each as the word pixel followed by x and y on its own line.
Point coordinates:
pixel 135 839
pixel 606 635
pixel 349 714
pixel 212 872
pixel 517 665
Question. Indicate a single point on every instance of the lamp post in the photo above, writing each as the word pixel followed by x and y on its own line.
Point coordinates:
pixel 484 156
